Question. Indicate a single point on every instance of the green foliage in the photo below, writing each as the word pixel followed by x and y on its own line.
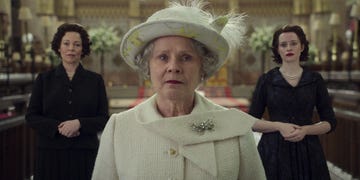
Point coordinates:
pixel 313 53
pixel 351 2
pixel 261 38
pixel 52 56
pixel 103 39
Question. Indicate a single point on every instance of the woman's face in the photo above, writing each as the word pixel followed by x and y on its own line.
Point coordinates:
pixel 290 47
pixel 174 67
pixel 71 48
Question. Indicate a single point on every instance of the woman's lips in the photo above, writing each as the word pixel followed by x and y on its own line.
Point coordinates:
pixel 173 82
pixel 71 55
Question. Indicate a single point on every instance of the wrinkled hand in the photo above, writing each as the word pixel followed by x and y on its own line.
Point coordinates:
pixel 286 129
pixel 69 128
pixel 296 135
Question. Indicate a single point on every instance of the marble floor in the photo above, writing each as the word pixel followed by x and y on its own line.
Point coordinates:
pixel 338 174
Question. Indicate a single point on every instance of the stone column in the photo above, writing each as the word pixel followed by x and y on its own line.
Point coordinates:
pixel 233 61
pixel 321 32
pixel 302 11
pixel 65 10
pixel 44 7
pixel 234 5
pixel 134 13
pixel 133 20
pixel 5 12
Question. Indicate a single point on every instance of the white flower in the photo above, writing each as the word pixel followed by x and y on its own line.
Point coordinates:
pixel 103 39
pixel 261 38
pixel 313 52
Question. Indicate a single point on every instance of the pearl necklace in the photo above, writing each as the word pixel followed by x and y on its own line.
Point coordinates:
pixel 290 77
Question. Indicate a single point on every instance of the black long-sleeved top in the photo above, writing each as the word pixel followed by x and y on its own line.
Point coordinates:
pixel 55 99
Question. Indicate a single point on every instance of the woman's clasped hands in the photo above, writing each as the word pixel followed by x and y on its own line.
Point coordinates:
pixel 69 128
pixel 292 132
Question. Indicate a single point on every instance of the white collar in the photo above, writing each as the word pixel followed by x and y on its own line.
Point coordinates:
pixel 197 147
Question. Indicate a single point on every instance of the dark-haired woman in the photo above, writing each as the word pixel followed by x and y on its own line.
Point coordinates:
pixel 68 107
pixel 289 146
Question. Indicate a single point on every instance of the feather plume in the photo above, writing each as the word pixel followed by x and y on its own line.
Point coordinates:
pixel 233 28
pixel 234 31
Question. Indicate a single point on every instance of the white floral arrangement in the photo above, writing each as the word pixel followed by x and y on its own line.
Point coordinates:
pixel 261 38
pixel 313 54
pixel 103 39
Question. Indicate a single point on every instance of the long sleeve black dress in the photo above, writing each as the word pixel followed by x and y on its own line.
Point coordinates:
pixel 303 160
pixel 55 99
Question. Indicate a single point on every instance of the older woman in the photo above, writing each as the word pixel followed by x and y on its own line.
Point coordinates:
pixel 68 107
pixel 177 133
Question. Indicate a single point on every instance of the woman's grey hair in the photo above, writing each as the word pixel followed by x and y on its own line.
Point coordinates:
pixel 208 58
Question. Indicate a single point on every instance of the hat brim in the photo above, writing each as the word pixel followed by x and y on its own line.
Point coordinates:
pixel 139 36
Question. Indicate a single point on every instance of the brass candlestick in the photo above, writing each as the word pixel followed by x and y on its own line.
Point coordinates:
pixel 355 46
pixel 334 48
pixel 334 21
pixel 355 14
pixel 2 49
pixel 25 15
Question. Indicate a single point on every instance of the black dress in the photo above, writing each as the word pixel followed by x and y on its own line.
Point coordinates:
pixel 284 160
pixel 55 99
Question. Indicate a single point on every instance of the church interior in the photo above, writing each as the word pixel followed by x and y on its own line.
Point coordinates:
pixel 27 27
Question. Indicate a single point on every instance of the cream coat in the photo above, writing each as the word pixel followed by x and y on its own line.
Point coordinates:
pixel 140 144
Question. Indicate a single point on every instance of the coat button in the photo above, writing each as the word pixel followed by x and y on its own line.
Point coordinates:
pixel 172 152
pixel 70 90
pixel 70 102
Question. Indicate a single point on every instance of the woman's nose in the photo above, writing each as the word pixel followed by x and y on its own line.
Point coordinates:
pixel 174 66
pixel 289 48
pixel 72 46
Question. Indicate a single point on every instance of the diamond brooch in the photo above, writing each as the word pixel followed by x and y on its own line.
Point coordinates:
pixel 203 126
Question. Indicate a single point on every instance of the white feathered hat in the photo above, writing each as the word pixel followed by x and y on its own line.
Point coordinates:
pixel 221 34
